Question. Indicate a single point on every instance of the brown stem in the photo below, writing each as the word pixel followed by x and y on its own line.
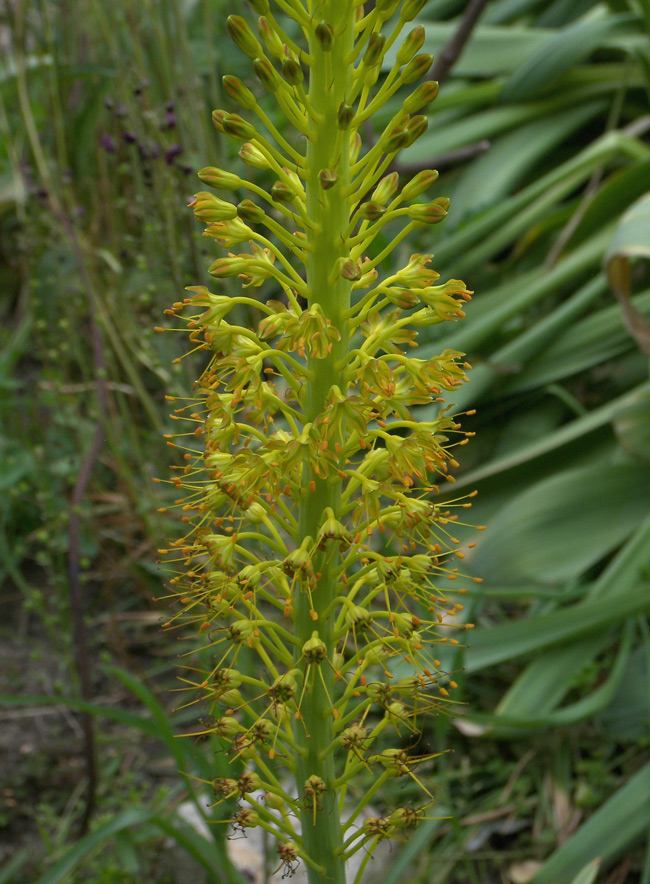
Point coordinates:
pixel 450 52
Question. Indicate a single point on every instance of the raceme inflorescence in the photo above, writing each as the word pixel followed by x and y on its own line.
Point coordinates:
pixel 313 544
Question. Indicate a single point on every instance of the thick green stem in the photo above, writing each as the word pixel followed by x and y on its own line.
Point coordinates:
pixel 330 84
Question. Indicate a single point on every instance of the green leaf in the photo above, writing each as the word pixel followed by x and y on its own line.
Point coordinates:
pixel 560 627
pixel 627 717
pixel 563 525
pixel 609 833
pixel 588 874
pixel 124 820
pixel 569 47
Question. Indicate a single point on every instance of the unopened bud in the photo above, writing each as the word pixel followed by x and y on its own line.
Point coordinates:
pixel 411 46
pixel 218 116
pixel 386 189
pixel 324 34
pixel 417 68
pixel 209 208
pixel 238 92
pixel 237 127
pixel 292 72
pixel 418 184
pixel 411 9
pixel 386 8
pixel 243 37
pixel 371 211
pixel 280 193
pixel 261 7
pixel 253 156
pixel 396 139
pixel 345 116
pixel 416 127
pixel 270 36
pixel 351 269
pixel 425 93
pixel 327 178
pixel 267 74
pixel 220 179
pixel 250 212
pixel 355 148
pixel 429 213
pixel 374 50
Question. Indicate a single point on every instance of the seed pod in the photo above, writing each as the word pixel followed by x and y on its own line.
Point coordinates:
pixel 238 92
pixel 292 72
pixel 250 212
pixel 411 46
pixel 243 37
pixel 327 178
pixel 314 650
pixel 267 74
pixel 417 68
pixel 237 127
pixel 220 179
pixel 324 34
pixel 417 185
pixel 374 50
pixel 424 94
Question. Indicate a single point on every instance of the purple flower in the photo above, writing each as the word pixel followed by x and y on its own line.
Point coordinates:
pixel 107 143
pixel 170 120
pixel 129 137
pixel 174 151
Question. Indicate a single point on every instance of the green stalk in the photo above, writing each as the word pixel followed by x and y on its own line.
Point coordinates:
pixel 329 84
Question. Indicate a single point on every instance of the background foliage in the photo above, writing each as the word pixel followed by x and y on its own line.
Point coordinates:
pixel 540 134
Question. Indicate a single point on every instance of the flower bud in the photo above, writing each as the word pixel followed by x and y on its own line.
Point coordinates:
pixel 219 179
pixel 292 71
pixel 218 116
pixel 371 211
pixel 272 39
pixel 374 50
pixel 267 74
pixel 253 156
pixel 386 189
pixel 208 207
pixel 418 184
pixel 386 8
pixel 250 212
pixel 238 92
pixel 411 9
pixel 226 267
pixel 429 213
pixel 417 68
pixel 324 34
pixel 261 7
pixel 416 127
pixel 237 127
pixel 327 178
pixel 401 297
pixel 243 37
pixel 280 193
pixel 355 148
pixel 345 116
pixel 396 139
pixel 411 46
pixel 351 269
pixel 425 93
